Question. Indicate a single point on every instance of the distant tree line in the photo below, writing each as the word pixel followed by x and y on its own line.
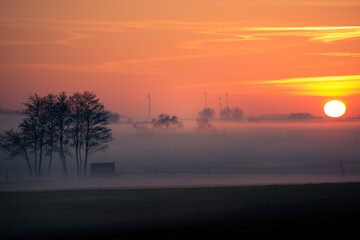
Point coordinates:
pixel 59 126
pixel 163 122
pixel 6 111
pixel 233 114
pixel 204 118
pixel 287 117
pixel 115 118
pixel 166 122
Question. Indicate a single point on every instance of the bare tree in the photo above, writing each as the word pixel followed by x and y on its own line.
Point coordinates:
pixel 203 123
pixel 50 127
pixel 225 114
pixel 16 145
pixel 33 126
pixel 207 113
pixel 97 134
pixel 62 125
pixel 56 123
pixel 89 129
pixel 204 118
pixel 141 128
pixel 236 114
pixel 76 108
pixel 166 122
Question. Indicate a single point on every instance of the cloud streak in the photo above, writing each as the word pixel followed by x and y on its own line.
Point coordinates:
pixel 315 86
pixel 339 54
pixel 320 3
pixel 68 40
pixel 324 34
pixel 227 32
pixel 122 66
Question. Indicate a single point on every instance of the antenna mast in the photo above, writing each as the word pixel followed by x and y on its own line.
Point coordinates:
pixel 205 98
pixel 220 98
pixel 227 105
pixel 149 102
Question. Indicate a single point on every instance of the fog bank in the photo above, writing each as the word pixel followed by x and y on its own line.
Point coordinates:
pixel 237 147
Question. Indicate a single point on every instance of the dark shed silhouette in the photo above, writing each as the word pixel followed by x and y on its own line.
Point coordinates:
pixel 106 169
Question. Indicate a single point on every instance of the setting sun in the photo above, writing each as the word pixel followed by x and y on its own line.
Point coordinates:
pixel 334 108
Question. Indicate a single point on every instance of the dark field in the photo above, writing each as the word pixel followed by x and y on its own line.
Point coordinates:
pixel 280 211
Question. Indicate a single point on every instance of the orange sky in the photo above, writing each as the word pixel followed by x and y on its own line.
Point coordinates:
pixel 270 56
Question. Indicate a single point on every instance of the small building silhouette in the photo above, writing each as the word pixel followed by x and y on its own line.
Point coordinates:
pixel 106 169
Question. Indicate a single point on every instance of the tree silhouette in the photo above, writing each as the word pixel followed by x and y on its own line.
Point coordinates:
pixel 89 131
pixel 236 114
pixel 76 110
pixel 233 114
pixel 50 127
pixel 55 124
pixel 225 114
pixel 16 145
pixel 204 118
pixel 166 122
pixel 62 127
pixel 33 127
pixel 141 128
pixel 207 113
pixel 95 120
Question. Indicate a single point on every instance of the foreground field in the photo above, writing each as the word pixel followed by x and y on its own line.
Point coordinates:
pixel 286 211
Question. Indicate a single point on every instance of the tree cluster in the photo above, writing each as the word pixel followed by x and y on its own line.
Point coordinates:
pixel 233 114
pixel 165 122
pixel 6 111
pixel 204 118
pixel 301 116
pixel 59 126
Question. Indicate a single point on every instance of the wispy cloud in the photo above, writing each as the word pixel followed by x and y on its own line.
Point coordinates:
pixel 320 3
pixel 121 66
pixel 106 26
pixel 69 39
pixel 228 34
pixel 325 34
pixel 226 31
pixel 339 54
pixel 199 44
pixel 315 86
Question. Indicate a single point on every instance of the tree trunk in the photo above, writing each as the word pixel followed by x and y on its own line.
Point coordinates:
pixel 41 152
pixel 86 145
pixel 63 162
pixel 51 145
pixel 35 150
pixel 61 150
pixel 86 159
pixel 80 162
pixel 77 159
pixel 28 163
pixel 50 160
pixel 65 166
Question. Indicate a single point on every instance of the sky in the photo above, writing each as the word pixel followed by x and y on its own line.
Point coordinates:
pixel 270 56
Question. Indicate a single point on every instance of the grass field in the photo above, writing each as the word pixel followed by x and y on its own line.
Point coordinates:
pixel 282 211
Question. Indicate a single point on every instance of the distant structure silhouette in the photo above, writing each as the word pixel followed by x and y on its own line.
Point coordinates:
pixel 205 97
pixel 106 169
pixel 149 105
pixel 227 104
pixel 220 98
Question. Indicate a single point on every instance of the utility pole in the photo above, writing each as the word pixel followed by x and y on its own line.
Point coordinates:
pixel 220 98
pixel 205 98
pixel 149 102
pixel 227 105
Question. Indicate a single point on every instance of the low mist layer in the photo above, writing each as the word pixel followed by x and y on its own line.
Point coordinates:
pixel 226 147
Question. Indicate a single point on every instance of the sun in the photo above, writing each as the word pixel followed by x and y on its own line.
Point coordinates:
pixel 334 108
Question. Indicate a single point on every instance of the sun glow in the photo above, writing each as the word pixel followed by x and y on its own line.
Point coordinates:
pixel 334 108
